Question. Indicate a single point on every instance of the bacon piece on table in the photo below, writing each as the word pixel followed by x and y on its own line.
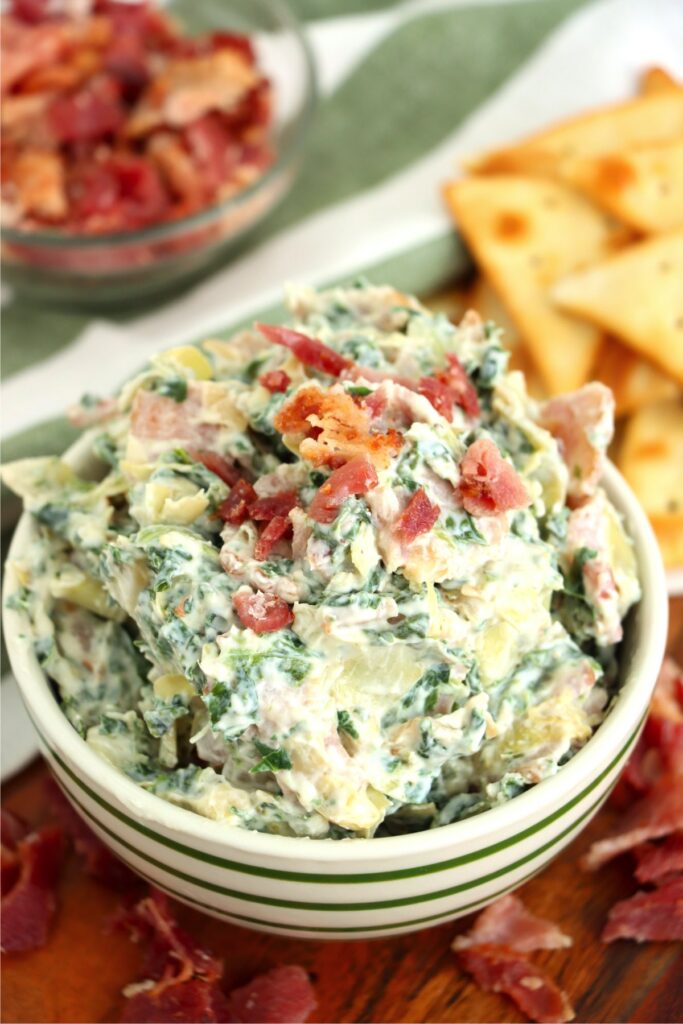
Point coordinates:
pixel 181 979
pixel 575 419
pixel 12 830
pixel 658 814
pixel 494 952
pixel 309 351
pixel 281 996
pixel 418 517
pixel 659 861
pixel 507 922
pixel 501 969
pixel 355 477
pixel 180 976
pixel 264 613
pixel 29 906
pixel 655 915
pixel 488 484
pixel 660 747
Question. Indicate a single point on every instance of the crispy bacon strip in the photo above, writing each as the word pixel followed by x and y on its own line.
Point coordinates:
pixel 309 351
pixel 649 916
pixel 264 613
pixel 418 517
pixel 507 922
pixel 489 485
pixel 355 477
pixel 281 996
pixel 30 904
pixel 500 969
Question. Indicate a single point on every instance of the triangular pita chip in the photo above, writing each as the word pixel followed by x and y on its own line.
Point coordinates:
pixel 655 79
pixel 642 187
pixel 636 295
pixel 525 233
pixel 634 381
pixel 651 457
pixel 644 121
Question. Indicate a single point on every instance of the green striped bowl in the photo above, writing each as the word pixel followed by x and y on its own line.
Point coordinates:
pixel 363 887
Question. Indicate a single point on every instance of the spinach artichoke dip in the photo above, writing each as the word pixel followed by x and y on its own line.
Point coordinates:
pixel 337 579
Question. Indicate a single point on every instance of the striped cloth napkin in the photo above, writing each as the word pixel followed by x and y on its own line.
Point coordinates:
pixel 407 89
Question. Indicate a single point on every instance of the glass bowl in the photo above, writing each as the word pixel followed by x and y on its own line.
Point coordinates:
pixel 113 270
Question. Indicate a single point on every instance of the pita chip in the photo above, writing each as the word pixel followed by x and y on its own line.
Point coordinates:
pixel 526 233
pixel 636 295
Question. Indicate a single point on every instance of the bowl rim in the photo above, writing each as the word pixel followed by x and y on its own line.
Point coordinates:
pixel 285 156
pixel 625 717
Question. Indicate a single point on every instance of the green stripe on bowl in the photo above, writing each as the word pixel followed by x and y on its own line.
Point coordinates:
pixel 354 929
pixel 343 908
pixel 342 879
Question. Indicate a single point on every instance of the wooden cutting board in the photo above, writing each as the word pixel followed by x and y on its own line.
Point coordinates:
pixel 79 974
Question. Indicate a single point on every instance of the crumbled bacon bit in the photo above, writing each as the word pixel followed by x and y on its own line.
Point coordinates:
pixel 264 613
pixel 418 517
pixel 488 484
pixel 265 509
pixel 309 351
pixel 334 429
pixel 355 477
pixel 275 530
pixel 235 508
pixel 30 904
pixel 227 471
pixel 439 394
pixel 575 419
pixel 460 385
pixel 275 381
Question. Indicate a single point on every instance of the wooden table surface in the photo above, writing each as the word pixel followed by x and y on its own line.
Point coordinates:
pixel 79 974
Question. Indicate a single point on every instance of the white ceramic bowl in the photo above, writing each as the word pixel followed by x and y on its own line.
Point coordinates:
pixel 354 888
